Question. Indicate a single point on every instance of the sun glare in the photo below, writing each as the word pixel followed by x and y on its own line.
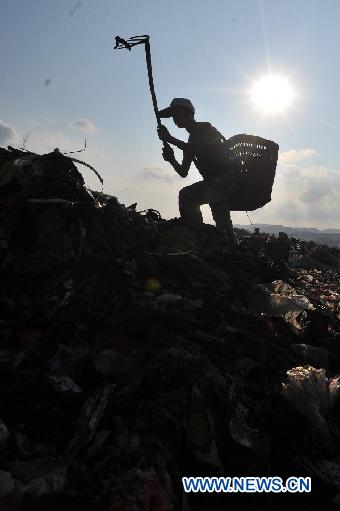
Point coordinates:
pixel 272 94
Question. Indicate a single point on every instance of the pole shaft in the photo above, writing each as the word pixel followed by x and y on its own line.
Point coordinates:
pixel 151 84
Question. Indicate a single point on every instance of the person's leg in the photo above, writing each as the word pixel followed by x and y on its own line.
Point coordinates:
pixel 221 215
pixel 222 218
pixel 192 197
pixel 189 202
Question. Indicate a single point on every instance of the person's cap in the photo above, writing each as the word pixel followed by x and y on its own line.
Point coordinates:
pixel 182 102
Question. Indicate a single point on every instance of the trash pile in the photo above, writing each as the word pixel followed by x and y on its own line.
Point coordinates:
pixel 128 363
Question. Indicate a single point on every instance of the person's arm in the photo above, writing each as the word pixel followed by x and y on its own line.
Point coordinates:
pixel 181 169
pixel 179 143
pixel 187 147
pixel 205 135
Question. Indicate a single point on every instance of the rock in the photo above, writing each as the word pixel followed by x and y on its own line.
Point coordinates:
pixel 7 483
pixel 168 298
pixel 63 383
pixel 111 363
pixel 50 483
pixel 4 434
pixel 312 355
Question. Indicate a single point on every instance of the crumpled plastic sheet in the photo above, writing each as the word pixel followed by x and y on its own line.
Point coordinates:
pixel 308 392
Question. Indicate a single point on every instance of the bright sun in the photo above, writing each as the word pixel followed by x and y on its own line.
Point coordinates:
pixel 272 94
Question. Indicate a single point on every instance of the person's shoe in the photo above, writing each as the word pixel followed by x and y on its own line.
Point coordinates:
pixel 230 238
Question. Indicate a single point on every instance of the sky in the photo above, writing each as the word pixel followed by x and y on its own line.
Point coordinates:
pixel 61 82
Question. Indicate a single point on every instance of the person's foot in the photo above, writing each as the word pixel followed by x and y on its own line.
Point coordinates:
pixel 230 238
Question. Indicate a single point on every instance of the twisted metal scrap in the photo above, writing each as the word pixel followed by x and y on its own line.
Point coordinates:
pixel 132 41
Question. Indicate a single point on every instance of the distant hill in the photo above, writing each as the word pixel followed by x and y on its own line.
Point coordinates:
pixel 330 237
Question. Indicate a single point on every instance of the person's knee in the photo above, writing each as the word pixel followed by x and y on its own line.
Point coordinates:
pixel 185 195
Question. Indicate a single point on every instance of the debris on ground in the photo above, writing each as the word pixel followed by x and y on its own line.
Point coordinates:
pixel 129 361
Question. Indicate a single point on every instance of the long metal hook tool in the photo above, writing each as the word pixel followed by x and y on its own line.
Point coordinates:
pixel 128 44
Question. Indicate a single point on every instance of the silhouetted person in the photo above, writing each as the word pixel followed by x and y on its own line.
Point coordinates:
pixel 204 147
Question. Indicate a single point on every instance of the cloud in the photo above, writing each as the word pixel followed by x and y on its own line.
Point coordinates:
pixel 7 133
pixel 294 156
pixel 304 193
pixel 307 183
pixel 158 173
pixel 84 125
